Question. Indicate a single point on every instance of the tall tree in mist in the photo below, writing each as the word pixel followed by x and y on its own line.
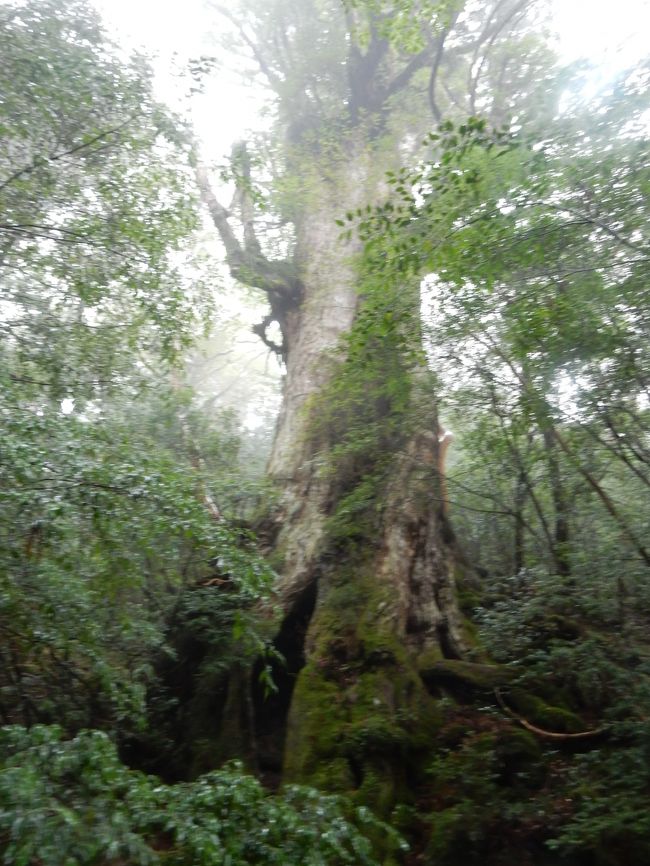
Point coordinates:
pixel 366 557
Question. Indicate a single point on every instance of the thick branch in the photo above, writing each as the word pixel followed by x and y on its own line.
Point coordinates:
pixel 361 69
pixel 418 61
pixel 246 263
pixel 433 77
pixel 234 252
pixel 242 159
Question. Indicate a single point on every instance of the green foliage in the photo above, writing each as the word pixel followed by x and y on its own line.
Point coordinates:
pixel 101 527
pixel 96 209
pixel 406 24
pixel 536 256
pixel 492 768
pixel 73 802
pixel 536 249
pixel 608 790
pixel 103 464
pixel 571 645
pixel 367 409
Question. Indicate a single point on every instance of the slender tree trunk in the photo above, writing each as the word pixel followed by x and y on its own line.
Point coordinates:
pixel 561 539
pixel 521 492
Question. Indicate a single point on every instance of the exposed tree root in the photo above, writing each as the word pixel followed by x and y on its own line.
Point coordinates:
pixel 556 736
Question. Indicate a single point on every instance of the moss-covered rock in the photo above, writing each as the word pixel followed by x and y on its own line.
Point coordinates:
pixel 544 715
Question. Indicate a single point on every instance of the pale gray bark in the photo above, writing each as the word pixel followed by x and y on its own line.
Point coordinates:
pixel 330 301
pixel 412 558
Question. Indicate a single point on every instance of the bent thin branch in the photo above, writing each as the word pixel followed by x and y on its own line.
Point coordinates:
pixel 556 736
pixel 433 77
pixel 605 498
pixel 261 331
pixel 274 80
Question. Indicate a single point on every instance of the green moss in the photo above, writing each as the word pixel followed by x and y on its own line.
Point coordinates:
pixel 477 676
pixel 361 718
pixel 428 658
pixel 345 725
pixel 381 788
pixel 313 726
pixel 543 715
pixel 468 599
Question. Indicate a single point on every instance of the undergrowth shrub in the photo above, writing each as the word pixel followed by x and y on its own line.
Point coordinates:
pixel 73 803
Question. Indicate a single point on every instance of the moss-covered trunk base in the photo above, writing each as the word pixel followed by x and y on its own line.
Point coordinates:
pixel 361 717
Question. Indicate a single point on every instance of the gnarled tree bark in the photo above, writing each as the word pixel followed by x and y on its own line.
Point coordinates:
pixel 355 704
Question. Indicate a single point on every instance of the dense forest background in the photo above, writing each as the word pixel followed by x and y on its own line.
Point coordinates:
pixel 402 618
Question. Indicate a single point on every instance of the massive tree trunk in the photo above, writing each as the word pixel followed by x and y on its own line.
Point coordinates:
pixel 359 707
pixel 364 617
pixel 360 617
